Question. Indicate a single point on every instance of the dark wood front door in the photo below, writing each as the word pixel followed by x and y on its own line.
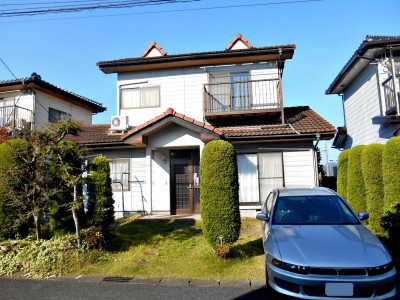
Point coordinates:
pixel 185 190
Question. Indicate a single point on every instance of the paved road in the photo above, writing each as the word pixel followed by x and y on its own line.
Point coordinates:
pixel 87 287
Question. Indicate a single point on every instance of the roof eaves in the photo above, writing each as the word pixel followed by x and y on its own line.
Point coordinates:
pixel 25 82
pixel 369 42
pixel 193 56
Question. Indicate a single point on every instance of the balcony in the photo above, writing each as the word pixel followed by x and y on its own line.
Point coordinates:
pixel 251 97
pixel 390 99
pixel 16 117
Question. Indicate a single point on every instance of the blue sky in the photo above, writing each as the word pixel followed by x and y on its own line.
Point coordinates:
pixel 64 48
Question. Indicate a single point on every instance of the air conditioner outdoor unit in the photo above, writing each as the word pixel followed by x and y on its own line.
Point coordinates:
pixel 119 122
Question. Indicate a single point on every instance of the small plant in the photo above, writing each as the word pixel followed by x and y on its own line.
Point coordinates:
pixel 92 237
pixel 223 250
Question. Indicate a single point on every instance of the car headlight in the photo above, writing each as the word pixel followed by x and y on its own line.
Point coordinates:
pixel 290 267
pixel 380 270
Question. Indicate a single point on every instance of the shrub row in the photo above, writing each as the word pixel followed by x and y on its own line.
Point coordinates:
pixel 368 178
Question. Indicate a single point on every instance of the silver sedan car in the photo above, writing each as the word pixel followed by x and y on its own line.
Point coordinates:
pixel 316 247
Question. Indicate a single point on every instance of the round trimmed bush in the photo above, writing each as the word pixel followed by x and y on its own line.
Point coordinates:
pixel 391 171
pixel 371 163
pixel 219 193
pixel 356 195
pixel 342 173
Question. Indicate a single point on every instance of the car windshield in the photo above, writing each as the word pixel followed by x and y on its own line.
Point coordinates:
pixel 312 210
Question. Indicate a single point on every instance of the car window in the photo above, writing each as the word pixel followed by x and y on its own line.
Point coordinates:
pixel 312 210
pixel 268 203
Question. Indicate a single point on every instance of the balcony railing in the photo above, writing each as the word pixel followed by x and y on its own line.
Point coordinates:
pixel 16 117
pixel 390 99
pixel 242 97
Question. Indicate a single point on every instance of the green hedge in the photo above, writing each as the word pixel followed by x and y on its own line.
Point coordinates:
pixel 101 195
pixel 219 193
pixel 356 195
pixel 10 223
pixel 342 173
pixel 371 163
pixel 391 173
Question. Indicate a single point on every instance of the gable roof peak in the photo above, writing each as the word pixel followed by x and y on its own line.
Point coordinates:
pixel 239 42
pixel 154 50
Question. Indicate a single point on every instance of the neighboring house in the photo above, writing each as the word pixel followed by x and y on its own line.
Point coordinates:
pixel 170 106
pixel 31 102
pixel 369 86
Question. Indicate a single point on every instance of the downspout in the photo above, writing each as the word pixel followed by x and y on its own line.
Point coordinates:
pixel 395 87
pixel 316 180
pixel 33 110
pixel 344 112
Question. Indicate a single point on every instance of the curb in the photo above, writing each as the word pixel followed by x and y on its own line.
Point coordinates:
pixel 226 283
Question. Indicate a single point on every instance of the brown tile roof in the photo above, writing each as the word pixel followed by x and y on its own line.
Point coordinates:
pixel 239 37
pixel 300 120
pixel 96 134
pixel 170 113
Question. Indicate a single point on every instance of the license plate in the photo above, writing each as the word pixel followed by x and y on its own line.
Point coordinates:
pixel 339 289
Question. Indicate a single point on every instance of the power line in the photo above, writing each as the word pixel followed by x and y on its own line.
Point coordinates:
pixel 8 68
pixel 176 10
pixel 39 10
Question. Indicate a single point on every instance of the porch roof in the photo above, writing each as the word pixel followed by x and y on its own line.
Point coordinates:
pixel 95 135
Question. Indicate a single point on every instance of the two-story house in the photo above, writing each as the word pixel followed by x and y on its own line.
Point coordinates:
pixel 369 87
pixel 31 102
pixel 170 106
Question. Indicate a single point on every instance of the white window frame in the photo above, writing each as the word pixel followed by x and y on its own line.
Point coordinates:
pixel 120 175
pixel 258 187
pixel 141 90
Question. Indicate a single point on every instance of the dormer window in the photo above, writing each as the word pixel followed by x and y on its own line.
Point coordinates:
pixel 140 97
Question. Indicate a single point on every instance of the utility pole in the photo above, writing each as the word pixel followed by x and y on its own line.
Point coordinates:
pixel 328 171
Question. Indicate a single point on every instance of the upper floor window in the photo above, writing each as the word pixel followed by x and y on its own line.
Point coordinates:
pixel 140 97
pixel 56 115
pixel 230 91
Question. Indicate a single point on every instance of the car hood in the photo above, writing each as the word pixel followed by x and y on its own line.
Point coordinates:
pixel 349 246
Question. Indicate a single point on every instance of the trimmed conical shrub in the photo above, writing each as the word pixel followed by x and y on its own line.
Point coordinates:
pixel 219 193
pixel 342 173
pixel 391 173
pixel 371 163
pixel 356 195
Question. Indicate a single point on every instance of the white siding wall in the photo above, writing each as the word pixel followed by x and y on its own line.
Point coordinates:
pixel 180 89
pixel 45 101
pixel 299 170
pixel 135 199
pixel 362 103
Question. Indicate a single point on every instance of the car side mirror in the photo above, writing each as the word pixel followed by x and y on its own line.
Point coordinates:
pixel 363 216
pixel 262 217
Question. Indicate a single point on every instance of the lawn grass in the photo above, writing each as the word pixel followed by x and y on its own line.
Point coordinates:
pixel 151 248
